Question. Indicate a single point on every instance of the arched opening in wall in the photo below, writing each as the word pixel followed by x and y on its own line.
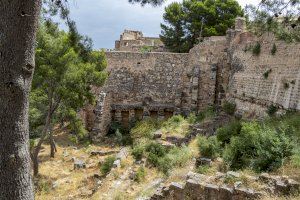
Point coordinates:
pixel 168 114
pixel 138 114
pixel 125 118
pixel 154 114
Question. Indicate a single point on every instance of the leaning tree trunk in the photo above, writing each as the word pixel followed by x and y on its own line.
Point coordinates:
pixel 18 24
pixel 53 148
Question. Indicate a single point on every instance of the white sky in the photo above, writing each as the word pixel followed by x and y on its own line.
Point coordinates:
pixel 105 20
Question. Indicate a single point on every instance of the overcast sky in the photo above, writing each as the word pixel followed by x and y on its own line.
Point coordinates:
pixel 105 20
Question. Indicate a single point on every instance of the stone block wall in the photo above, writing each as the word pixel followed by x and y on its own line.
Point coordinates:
pixel 259 81
pixel 160 84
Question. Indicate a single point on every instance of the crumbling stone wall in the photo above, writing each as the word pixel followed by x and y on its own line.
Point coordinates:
pixel 134 41
pixel 259 81
pixel 160 84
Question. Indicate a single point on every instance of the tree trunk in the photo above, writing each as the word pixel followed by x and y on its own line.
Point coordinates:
pixel 18 24
pixel 37 148
pixel 52 144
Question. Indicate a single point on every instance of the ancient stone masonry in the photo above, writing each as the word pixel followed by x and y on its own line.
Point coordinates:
pixel 161 84
pixel 135 41
pixel 258 81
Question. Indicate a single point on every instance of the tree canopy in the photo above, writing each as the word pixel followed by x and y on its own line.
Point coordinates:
pixel 187 22
pixel 281 17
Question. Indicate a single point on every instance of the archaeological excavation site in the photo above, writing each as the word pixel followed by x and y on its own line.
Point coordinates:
pixel 150 100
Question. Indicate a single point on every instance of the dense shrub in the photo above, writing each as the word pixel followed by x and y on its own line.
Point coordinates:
pixel 173 122
pixel 140 175
pixel 272 110
pixel 274 49
pixel 107 165
pixel 155 151
pixel 138 152
pixel 225 133
pixel 209 147
pixel 256 49
pixel 208 113
pixel 145 129
pixel 260 148
pixel 229 107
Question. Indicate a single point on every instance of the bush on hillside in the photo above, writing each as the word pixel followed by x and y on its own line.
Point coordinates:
pixel 229 107
pixel 225 133
pixel 154 152
pixel 208 113
pixel 138 152
pixel 209 147
pixel 145 129
pixel 260 148
pixel 107 165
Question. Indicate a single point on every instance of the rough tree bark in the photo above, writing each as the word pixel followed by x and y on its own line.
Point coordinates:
pixel 18 24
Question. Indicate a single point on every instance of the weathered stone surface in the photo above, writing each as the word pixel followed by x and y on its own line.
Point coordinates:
pixel 102 153
pixel 123 154
pixel 211 192
pixel 226 193
pixel 117 164
pixel 203 161
pixel 233 174
pixel 79 164
pixel 194 190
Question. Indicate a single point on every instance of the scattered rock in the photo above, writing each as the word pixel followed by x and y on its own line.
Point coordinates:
pixel 233 174
pixel 123 154
pixel 103 153
pixel 157 134
pixel 238 184
pixel 79 164
pixel 117 164
pixel 203 161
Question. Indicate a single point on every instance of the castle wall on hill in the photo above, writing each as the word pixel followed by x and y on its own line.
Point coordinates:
pixel 221 68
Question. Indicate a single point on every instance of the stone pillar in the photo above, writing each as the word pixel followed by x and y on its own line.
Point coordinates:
pixel 240 24
pixel 118 116
pixel 131 115
pixel 161 113
pixel 195 88
pixel 146 113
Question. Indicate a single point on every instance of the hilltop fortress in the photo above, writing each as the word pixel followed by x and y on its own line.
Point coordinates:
pixel 159 84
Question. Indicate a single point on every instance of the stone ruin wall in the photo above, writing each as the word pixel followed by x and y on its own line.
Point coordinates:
pixel 250 89
pixel 134 41
pixel 160 84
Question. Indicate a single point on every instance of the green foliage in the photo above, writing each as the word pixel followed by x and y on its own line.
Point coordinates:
pixel 276 16
pixel 107 165
pixel 260 148
pixel 138 151
pixel 209 147
pixel 274 49
pixel 145 129
pixel 63 77
pixel 295 159
pixel 140 175
pixel 229 107
pixel 146 49
pixel 272 110
pixel 176 157
pixel 256 49
pixel 286 85
pixel 203 169
pixel 266 74
pixel 183 21
pixel 155 151
pixel 225 133
pixel 192 118
pixel 208 113
pixel 173 122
